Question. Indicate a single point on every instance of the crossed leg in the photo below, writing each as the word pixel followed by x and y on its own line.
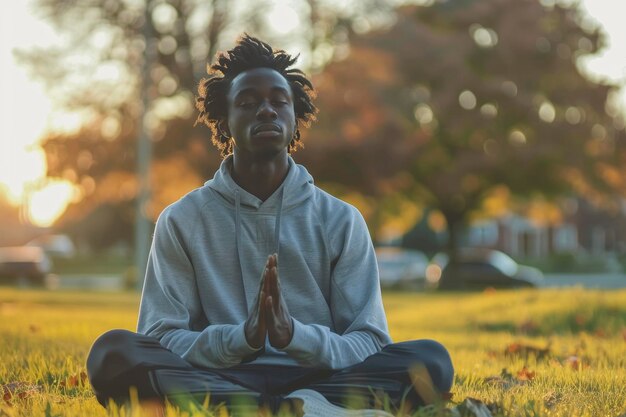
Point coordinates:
pixel 412 372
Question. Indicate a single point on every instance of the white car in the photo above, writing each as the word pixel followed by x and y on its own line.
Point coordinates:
pixel 401 267
pixel 60 246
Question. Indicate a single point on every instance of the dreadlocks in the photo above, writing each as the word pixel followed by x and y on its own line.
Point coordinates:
pixel 250 53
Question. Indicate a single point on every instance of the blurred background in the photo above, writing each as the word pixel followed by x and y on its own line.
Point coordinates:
pixel 483 139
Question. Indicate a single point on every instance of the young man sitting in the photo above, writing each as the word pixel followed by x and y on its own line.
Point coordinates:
pixel 261 287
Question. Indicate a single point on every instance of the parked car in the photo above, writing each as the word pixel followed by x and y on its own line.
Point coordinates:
pixel 55 245
pixel 24 266
pixel 401 267
pixel 480 268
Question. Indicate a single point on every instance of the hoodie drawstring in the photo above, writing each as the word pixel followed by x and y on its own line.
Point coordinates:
pixel 279 212
pixel 238 243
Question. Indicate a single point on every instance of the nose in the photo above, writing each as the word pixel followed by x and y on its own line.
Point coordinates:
pixel 266 111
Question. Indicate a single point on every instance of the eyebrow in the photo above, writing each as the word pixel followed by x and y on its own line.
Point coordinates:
pixel 253 91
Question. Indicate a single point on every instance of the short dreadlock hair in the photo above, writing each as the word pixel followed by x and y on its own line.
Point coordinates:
pixel 250 53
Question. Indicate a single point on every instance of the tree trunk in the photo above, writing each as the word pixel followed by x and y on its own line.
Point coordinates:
pixel 456 224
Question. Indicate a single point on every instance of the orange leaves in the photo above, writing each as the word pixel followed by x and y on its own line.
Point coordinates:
pixel 74 381
pixel 18 391
pixel 525 374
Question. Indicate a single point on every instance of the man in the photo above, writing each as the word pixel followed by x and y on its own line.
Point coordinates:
pixel 260 287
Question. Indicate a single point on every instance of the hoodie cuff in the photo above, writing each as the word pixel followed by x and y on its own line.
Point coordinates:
pixel 304 343
pixel 235 342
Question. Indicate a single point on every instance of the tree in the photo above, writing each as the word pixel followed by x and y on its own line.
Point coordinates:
pixel 98 74
pixel 457 100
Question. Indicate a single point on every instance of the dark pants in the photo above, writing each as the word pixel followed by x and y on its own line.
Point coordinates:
pixel 120 359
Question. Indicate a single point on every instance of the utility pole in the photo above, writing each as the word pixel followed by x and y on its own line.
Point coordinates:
pixel 144 157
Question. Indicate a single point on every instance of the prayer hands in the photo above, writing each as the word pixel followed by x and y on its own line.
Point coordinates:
pixel 270 315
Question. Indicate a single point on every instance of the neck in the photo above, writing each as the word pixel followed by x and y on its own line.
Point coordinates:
pixel 260 177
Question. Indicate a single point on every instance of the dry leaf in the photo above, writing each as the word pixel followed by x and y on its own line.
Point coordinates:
pixel 525 374
pixel 19 390
pixel 74 380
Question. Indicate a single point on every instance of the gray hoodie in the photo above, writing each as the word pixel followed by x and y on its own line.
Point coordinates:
pixel 207 257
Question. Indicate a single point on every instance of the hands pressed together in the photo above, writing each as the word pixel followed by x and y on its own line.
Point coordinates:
pixel 270 315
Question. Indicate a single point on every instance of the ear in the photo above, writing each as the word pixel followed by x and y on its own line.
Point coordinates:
pixel 222 128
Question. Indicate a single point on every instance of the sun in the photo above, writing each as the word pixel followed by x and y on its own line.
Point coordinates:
pixel 47 204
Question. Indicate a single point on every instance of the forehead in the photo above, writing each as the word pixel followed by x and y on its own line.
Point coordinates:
pixel 259 80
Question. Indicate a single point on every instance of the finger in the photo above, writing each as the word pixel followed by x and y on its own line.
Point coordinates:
pixel 267 280
pixel 274 291
pixel 269 312
pixel 262 308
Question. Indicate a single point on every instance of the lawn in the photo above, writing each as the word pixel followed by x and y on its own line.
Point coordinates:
pixel 525 353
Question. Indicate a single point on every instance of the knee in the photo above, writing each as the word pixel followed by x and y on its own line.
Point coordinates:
pixel 107 354
pixel 117 340
pixel 434 356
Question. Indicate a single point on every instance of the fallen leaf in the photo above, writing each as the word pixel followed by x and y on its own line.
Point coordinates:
pixel 74 380
pixel 525 374
pixel 19 390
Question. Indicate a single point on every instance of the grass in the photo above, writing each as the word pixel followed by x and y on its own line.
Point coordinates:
pixel 548 353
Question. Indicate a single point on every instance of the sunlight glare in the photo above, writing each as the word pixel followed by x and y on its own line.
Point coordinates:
pixel 22 170
pixel 283 19
pixel 47 204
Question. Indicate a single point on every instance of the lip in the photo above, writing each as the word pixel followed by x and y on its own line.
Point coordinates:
pixel 266 128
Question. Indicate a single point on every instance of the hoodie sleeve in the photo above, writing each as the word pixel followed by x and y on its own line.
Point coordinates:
pixel 171 310
pixel 355 303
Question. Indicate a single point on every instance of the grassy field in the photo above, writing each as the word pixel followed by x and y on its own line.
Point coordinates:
pixel 525 353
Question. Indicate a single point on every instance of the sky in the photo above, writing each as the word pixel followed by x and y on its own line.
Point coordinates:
pixel 26 111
